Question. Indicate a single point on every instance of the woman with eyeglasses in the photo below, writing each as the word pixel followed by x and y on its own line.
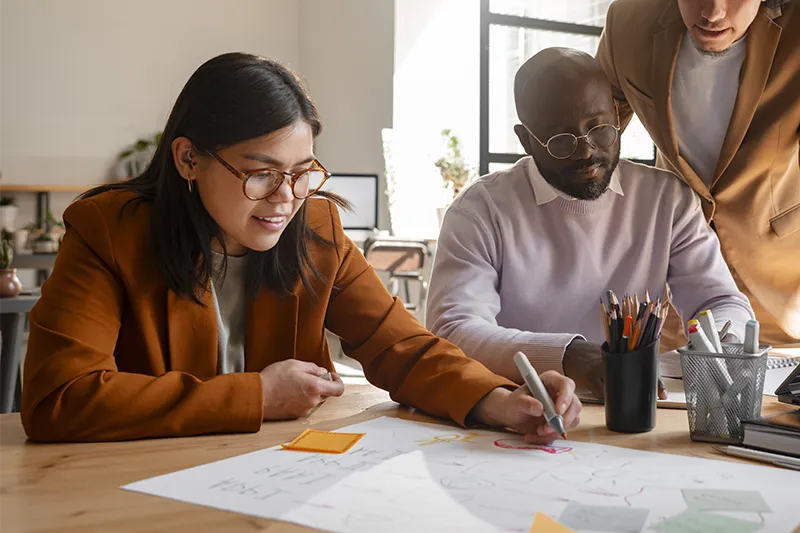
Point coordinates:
pixel 194 298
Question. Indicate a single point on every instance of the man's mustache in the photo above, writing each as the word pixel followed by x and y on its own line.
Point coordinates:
pixel 712 26
pixel 583 167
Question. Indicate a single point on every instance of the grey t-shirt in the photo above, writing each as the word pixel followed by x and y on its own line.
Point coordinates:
pixel 230 300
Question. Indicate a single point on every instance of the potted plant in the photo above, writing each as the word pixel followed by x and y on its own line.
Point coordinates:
pixel 10 285
pixel 455 172
pixel 8 213
pixel 57 229
pixel 46 243
pixel 34 231
pixel 132 161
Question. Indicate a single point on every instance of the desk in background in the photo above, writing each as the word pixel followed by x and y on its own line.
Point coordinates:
pixel 13 312
pixel 76 487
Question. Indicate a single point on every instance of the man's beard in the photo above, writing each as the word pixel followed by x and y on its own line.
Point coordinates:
pixel 711 54
pixel 589 190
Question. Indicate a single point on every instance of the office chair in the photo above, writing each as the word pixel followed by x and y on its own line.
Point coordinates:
pixel 403 260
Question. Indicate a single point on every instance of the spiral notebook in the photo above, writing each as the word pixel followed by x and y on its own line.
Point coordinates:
pixel 782 361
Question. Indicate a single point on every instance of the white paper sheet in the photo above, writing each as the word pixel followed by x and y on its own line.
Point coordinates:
pixel 407 476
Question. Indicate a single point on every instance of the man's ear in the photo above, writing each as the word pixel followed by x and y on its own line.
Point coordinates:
pixel 524 138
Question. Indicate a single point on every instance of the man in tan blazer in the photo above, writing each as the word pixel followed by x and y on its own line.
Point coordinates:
pixel 717 85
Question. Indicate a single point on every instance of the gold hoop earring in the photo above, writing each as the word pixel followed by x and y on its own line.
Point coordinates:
pixel 190 185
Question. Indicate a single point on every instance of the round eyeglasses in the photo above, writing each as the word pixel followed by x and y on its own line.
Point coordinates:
pixel 563 145
pixel 261 183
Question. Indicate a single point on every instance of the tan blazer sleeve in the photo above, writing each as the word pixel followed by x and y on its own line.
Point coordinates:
pixel 605 56
pixel 72 388
pixel 398 354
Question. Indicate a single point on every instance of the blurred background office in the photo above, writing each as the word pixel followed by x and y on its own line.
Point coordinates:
pixel 415 97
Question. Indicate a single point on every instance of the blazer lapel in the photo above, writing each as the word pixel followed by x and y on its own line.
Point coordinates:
pixel 271 329
pixel 192 335
pixel 762 42
pixel 666 44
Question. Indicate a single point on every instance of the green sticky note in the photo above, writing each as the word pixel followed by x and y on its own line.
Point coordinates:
pixel 692 521
pixel 725 500
pixel 604 518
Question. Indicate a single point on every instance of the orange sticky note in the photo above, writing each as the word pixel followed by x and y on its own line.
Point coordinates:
pixel 312 440
pixel 544 524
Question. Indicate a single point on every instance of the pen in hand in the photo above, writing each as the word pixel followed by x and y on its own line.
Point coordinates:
pixel 539 392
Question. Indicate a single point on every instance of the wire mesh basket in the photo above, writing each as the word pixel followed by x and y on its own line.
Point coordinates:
pixel 722 390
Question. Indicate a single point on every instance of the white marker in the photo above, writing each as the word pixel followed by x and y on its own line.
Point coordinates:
pixel 697 338
pixel 539 392
pixel 706 320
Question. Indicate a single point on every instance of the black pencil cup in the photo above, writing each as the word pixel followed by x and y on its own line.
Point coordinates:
pixel 630 386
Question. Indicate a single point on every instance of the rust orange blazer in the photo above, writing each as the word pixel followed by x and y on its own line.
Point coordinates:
pixel 113 354
pixel 754 198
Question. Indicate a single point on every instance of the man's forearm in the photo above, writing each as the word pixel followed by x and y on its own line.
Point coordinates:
pixel 495 346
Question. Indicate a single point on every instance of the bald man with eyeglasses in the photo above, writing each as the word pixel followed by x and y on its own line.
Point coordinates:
pixel 526 254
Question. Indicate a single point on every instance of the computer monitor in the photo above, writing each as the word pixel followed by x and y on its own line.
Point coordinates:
pixel 361 190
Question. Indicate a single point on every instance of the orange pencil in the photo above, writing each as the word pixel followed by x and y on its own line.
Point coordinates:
pixel 626 333
pixel 635 338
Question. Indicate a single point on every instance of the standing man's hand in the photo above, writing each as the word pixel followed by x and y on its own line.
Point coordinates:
pixel 583 362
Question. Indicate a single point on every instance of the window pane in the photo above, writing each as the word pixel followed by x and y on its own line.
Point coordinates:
pixel 509 48
pixel 497 167
pixel 588 12
pixel 636 142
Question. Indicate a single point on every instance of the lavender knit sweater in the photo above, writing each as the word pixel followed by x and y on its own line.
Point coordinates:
pixel 511 275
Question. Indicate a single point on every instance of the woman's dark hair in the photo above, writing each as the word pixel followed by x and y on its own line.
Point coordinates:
pixel 230 98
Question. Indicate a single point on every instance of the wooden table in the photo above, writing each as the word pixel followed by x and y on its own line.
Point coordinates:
pixel 75 487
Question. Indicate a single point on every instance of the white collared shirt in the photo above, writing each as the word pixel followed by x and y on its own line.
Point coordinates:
pixel 544 192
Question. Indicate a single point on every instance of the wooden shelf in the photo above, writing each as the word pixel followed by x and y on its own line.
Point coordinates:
pixel 18 187
pixel 34 261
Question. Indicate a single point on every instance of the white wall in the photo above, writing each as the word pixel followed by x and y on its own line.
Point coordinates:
pixel 347 59
pixel 82 79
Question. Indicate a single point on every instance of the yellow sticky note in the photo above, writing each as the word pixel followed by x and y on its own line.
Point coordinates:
pixel 312 440
pixel 544 524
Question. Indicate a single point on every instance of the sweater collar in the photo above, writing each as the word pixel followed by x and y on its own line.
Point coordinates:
pixel 546 193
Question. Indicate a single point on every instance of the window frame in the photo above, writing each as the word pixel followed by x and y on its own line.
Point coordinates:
pixel 487 20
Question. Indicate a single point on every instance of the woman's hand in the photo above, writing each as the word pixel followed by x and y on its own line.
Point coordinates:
pixel 522 412
pixel 292 389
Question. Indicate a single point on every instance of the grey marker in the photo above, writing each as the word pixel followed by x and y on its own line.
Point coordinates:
pixel 751 337
pixel 539 392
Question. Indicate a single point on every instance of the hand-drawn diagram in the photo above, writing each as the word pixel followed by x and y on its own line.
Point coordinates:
pixel 518 443
pixel 408 476
pixel 450 437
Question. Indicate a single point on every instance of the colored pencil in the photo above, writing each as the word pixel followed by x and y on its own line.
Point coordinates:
pixel 632 323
